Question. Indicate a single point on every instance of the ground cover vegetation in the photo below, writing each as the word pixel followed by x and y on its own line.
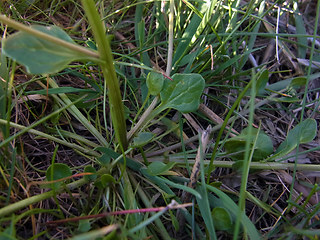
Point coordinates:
pixel 152 119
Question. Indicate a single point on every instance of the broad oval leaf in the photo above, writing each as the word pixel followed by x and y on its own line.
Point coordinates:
pixel 304 132
pixel 222 219
pixel 57 171
pixel 183 93
pixel 38 55
pixel 236 145
pixel 142 139
pixel 155 82
pixel 160 168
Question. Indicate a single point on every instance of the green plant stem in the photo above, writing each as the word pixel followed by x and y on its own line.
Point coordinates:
pixel 109 73
pixel 253 165
pixel 47 37
pixel 142 107
pixel 170 44
pixel 247 159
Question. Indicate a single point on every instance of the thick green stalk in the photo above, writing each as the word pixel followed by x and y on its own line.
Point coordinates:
pixel 109 73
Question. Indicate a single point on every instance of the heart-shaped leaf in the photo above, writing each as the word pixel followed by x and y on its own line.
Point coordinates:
pixel 57 171
pixel 155 82
pixel 183 93
pixel 38 55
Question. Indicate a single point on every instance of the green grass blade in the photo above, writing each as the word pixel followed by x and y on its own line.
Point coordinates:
pixel 78 115
pixel 247 160
pixel 300 27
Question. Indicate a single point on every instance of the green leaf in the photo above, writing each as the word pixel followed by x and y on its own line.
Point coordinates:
pixel 84 226
pixel 57 171
pixel 159 168
pixel 183 93
pixel 291 93
pixel 187 59
pixel 300 27
pixel 60 90
pixel 106 156
pixel 298 82
pixel 236 145
pixel 304 132
pixel 155 82
pixel 222 219
pixel 8 234
pixel 38 55
pixel 287 84
pixel 142 139
pixel 262 81
pixel 204 207
pixel 105 181
pixel 226 202
pixel 90 169
pixel 176 185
